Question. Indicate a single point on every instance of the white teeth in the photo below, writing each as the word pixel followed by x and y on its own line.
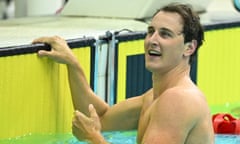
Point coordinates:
pixel 153 52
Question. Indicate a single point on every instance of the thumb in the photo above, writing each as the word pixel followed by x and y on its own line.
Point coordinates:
pixel 42 53
pixel 92 111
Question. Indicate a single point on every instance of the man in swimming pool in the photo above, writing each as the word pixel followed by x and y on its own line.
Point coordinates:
pixel 174 111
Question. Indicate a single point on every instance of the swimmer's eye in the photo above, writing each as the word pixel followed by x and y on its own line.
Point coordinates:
pixel 165 34
pixel 150 30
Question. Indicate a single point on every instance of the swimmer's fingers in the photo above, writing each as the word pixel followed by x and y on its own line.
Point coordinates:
pixel 94 116
pixel 80 119
pixel 60 50
pixel 46 40
pixel 83 127
pixel 77 128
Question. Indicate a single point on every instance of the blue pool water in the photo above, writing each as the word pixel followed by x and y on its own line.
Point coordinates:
pixel 126 137
pixel 227 139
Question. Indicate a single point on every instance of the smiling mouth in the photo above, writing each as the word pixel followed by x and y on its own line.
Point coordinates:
pixel 154 53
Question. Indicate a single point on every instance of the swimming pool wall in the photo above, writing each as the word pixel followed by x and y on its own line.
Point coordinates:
pixel 34 92
pixel 218 67
pixel 35 96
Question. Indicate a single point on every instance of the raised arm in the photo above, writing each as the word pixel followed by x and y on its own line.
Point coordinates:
pixel 122 116
pixel 82 94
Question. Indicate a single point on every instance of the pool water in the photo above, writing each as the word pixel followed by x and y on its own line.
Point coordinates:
pixel 227 139
pixel 126 137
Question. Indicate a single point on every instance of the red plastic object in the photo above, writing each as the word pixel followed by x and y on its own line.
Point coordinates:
pixel 224 123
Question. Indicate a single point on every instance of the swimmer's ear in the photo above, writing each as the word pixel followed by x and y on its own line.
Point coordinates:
pixel 190 48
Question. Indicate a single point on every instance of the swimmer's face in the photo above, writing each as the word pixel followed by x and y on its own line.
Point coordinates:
pixel 164 43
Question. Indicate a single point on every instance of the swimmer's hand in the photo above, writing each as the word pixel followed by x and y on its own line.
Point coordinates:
pixel 87 128
pixel 59 52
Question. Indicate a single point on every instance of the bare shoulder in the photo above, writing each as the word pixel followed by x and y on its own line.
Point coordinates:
pixel 174 114
pixel 184 95
pixel 187 104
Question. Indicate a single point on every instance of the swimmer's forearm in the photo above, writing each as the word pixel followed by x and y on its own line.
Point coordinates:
pixel 82 94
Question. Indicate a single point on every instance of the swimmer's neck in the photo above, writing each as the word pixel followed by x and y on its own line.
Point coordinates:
pixel 172 78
